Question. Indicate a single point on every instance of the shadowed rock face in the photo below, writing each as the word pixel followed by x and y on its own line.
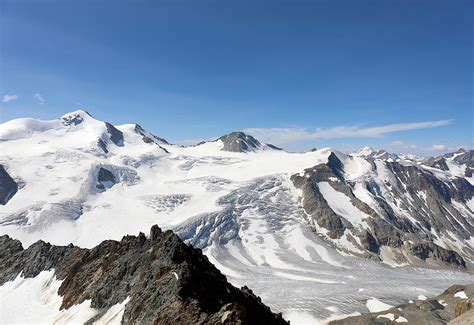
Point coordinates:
pixel 439 163
pixel 453 306
pixel 239 142
pixel 8 187
pixel 384 227
pixel 166 281
pixel 105 178
pixel 116 136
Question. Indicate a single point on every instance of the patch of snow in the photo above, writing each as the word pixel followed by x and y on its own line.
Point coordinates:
pixel 114 314
pixel 36 300
pixel 342 205
pixel 375 306
pixel 461 294
pixel 389 316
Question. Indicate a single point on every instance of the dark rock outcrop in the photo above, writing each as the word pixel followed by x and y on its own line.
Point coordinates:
pixel 148 137
pixel 166 281
pixel 73 119
pixel 451 307
pixel 105 178
pixel 102 145
pixel 115 135
pixel 8 186
pixel 425 250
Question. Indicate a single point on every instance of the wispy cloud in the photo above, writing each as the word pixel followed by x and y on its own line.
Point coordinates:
pixel 9 98
pixel 281 136
pixel 438 147
pixel 39 98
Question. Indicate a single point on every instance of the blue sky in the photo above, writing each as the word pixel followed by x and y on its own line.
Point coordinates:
pixel 393 74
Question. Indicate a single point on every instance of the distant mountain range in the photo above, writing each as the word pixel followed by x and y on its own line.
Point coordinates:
pixel 256 211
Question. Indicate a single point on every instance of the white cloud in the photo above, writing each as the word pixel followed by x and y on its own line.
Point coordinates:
pixel 397 143
pixel 39 98
pixel 438 147
pixel 279 136
pixel 9 98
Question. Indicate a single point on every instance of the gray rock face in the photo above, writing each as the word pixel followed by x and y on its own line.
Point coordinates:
pixel 314 202
pixel 8 186
pixel 239 142
pixel 166 281
pixel 452 307
pixel 412 239
pixel 116 136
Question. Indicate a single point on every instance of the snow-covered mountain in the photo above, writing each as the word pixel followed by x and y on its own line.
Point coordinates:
pixel 261 215
pixel 368 152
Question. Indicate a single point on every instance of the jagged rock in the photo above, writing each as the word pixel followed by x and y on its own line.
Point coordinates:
pixel 447 307
pixel 8 186
pixel 166 281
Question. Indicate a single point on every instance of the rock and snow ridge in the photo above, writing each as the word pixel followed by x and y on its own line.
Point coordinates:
pixel 158 279
pixel 453 306
pixel 83 181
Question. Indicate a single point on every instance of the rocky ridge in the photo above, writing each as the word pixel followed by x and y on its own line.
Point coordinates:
pixel 166 281
pixel 455 306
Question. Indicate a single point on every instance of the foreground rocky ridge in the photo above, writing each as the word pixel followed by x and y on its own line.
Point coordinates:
pixel 165 280
pixel 455 306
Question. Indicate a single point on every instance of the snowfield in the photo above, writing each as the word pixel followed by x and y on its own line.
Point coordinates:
pixel 242 209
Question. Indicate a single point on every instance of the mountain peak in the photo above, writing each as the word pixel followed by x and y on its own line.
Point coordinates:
pixel 365 151
pixel 75 117
pixel 239 142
